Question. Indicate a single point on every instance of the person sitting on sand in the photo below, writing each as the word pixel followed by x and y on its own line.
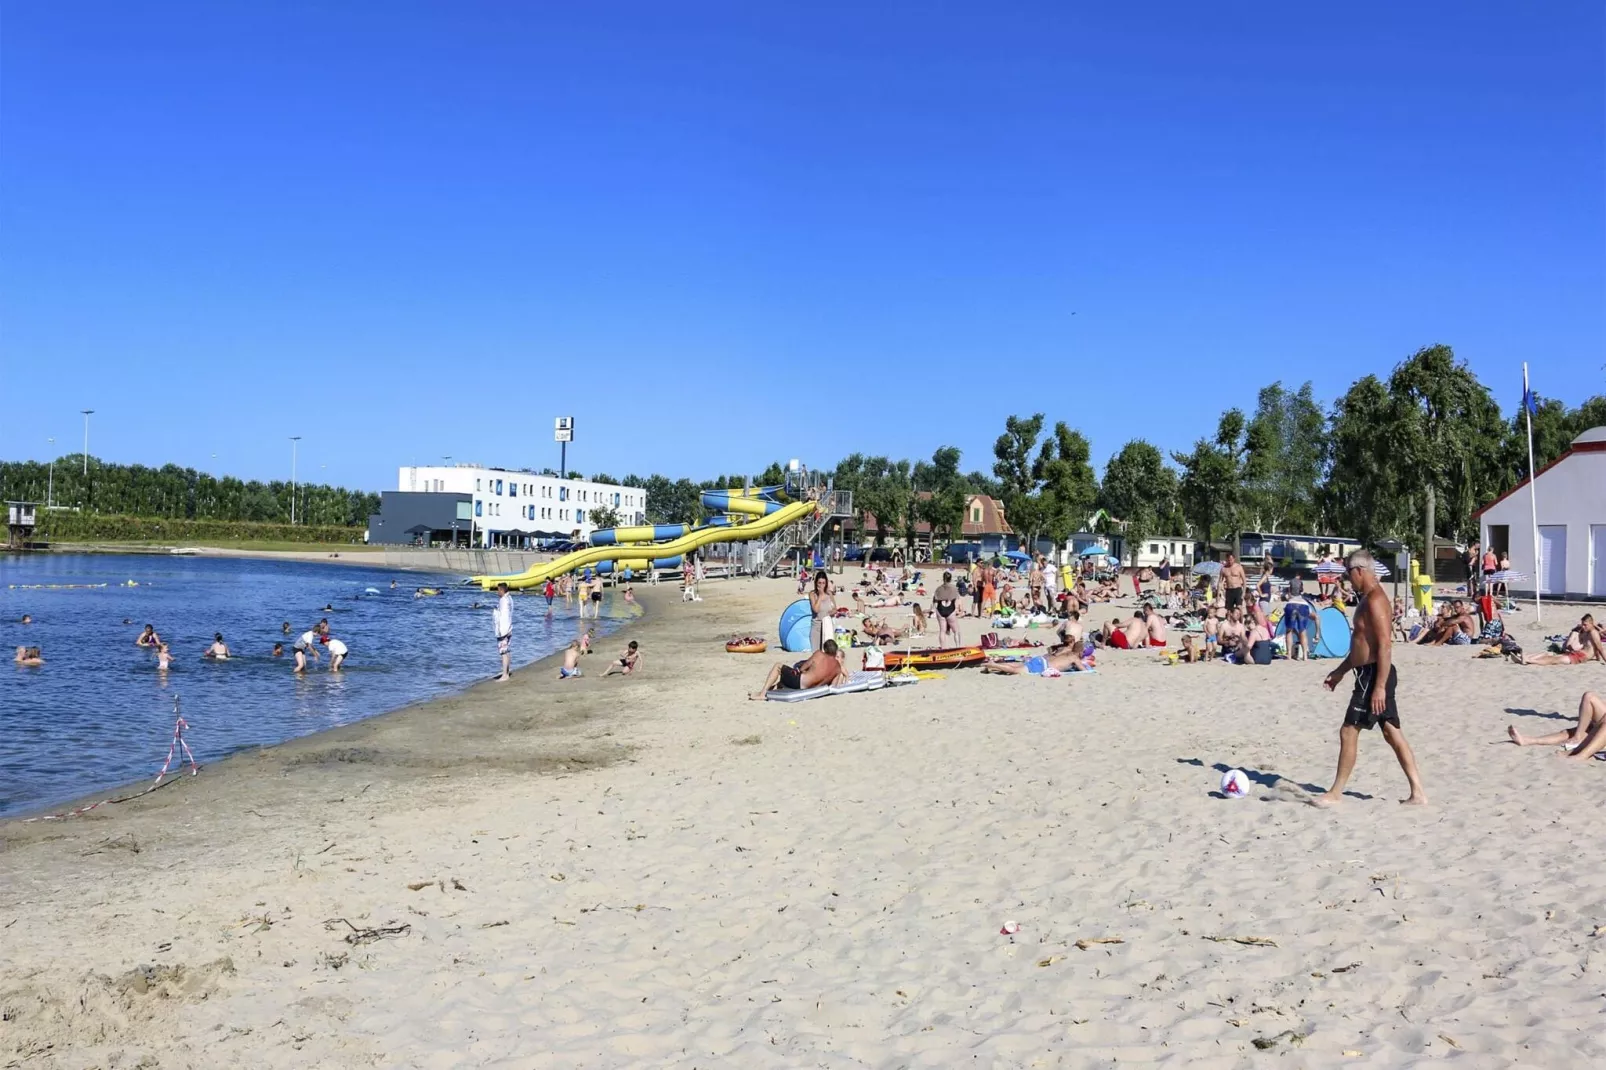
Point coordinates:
pixel 1066 660
pixel 822 667
pixel 1156 625
pixel 571 661
pixel 1233 634
pixel 1071 631
pixel 627 662
pixel 148 637
pixel 28 655
pixel 1584 740
pixel 164 658
pixel 1457 629
pixel 880 630
pixel 219 650
pixel 1582 644
pixel 1134 635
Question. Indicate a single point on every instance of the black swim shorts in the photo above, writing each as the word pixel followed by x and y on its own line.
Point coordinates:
pixel 596 596
pixel 1359 713
pixel 1235 597
pixel 791 679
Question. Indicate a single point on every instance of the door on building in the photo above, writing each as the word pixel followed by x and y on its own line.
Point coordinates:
pixel 1597 559
pixel 1553 553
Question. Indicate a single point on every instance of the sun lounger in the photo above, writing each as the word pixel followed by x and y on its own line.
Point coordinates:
pixel 857 681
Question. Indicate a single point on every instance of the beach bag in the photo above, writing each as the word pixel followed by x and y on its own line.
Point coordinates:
pixel 990 641
pixel 874 659
pixel 1262 652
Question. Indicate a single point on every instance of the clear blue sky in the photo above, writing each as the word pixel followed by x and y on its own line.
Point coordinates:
pixel 721 234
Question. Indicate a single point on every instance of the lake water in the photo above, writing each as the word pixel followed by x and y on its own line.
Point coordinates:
pixel 98 713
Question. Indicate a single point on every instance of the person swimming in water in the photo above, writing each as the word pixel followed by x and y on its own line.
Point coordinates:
pixel 148 637
pixel 26 619
pixel 219 650
pixel 285 628
pixel 29 655
pixel 278 650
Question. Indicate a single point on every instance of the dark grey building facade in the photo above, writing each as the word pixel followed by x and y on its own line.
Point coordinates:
pixel 410 518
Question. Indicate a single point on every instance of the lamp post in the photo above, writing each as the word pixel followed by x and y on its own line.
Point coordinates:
pixel 50 487
pixel 87 414
pixel 295 441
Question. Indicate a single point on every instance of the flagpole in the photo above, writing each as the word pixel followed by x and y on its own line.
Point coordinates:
pixel 1533 496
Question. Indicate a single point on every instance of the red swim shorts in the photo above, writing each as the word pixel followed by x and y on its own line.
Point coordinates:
pixel 1118 640
pixel 1156 642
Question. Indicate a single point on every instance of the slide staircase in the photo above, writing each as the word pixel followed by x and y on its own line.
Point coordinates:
pixel 834 505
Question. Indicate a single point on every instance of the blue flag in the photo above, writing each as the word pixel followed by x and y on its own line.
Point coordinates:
pixel 1530 400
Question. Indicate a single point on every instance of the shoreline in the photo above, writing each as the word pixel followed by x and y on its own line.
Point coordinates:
pixel 228 765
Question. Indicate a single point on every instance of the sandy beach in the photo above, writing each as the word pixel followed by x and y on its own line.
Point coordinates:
pixel 655 871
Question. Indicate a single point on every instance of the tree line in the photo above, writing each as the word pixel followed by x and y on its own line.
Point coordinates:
pixel 1361 469
pixel 172 492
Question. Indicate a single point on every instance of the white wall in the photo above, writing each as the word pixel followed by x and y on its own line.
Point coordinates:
pixel 1573 493
pixel 559 504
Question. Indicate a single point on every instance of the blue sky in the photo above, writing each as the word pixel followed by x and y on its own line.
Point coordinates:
pixel 721 234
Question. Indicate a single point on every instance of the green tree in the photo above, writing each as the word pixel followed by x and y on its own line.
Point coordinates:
pixel 603 516
pixel 1210 492
pixel 1285 461
pixel 1363 496
pixel 1139 491
pixel 945 509
pixel 1064 470
pixel 1013 466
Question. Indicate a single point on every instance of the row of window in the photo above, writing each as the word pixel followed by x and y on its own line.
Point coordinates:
pixel 495 486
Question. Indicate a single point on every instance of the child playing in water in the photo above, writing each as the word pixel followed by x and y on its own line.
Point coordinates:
pixel 29 655
pixel 163 658
pixel 627 664
pixel 571 662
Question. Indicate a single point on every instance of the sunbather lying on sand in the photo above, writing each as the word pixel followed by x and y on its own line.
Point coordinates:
pixel 1582 644
pixel 1584 740
pixel 1066 660
pixel 880 630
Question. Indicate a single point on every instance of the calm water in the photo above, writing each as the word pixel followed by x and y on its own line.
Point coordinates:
pixel 99 714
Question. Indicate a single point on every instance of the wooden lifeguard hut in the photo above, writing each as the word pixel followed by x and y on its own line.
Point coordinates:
pixel 21 519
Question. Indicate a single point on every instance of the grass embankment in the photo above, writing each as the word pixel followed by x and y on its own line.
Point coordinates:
pixel 218 544
pixel 103 529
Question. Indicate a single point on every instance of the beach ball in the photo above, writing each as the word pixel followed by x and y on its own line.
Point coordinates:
pixel 1235 784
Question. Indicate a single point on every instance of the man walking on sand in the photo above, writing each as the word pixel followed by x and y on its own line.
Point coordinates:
pixel 1371 655
pixel 502 621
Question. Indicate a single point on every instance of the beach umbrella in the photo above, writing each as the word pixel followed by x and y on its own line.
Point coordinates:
pixel 1381 569
pixel 1094 551
pixel 1207 568
pixel 1330 568
pixel 1506 575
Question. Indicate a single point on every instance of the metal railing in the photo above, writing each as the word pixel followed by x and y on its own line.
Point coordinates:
pixel 833 504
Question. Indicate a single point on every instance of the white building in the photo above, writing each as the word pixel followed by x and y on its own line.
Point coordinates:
pixel 1571 495
pixel 507 499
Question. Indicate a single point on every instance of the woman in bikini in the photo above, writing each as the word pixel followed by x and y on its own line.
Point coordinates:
pixel 823 604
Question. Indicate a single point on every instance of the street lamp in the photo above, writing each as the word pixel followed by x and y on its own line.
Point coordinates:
pixel 295 441
pixel 87 414
pixel 50 488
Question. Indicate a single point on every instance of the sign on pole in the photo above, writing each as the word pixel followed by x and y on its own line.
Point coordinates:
pixel 563 429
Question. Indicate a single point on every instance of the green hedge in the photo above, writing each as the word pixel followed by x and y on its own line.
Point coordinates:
pixel 91 527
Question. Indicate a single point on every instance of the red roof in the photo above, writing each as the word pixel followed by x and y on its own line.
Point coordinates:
pixel 1576 447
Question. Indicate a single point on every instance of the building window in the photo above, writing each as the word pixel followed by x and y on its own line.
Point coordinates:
pixel 1154 547
pixel 478 508
pixel 616 499
pixel 579 516
pixel 563 494
pixel 477 485
pixel 975 514
pixel 499 486
pixel 512 490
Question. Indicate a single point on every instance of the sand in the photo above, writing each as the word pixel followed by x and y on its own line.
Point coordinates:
pixel 655 871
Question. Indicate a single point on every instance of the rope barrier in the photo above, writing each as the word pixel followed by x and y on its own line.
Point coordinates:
pixel 178 742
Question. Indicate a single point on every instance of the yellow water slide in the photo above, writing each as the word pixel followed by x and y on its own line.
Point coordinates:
pixel 757 528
